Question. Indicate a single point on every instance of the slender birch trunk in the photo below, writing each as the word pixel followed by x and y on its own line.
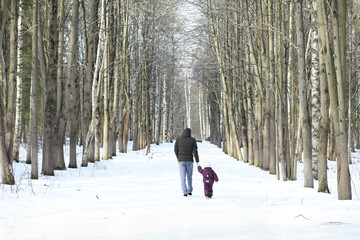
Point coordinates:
pixel 315 93
pixel 19 83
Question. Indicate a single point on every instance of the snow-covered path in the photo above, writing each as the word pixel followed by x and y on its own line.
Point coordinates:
pixel 138 196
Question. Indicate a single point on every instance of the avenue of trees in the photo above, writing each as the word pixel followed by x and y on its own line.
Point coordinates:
pixel 271 82
pixel 96 72
pixel 285 82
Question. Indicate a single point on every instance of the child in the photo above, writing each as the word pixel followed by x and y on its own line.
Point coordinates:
pixel 209 176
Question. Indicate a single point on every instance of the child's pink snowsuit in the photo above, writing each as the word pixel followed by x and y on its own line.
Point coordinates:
pixel 209 176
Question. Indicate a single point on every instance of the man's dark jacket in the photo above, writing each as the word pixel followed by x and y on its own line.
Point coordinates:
pixel 185 147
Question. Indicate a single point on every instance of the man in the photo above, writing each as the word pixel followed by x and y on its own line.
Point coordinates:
pixel 185 149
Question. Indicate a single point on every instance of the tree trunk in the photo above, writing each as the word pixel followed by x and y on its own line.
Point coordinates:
pixel 19 83
pixel 165 112
pixel 71 81
pixel 188 100
pixel 3 80
pixel 324 116
pixel 106 90
pixel 315 93
pixel 7 176
pixel 89 74
pixel 10 116
pixel 50 93
pixel 158 111
pixel 292 122
pixel 304 114
pixel 343 173
pixel 34 93
pixel 337 103
pixel 269 92
pixel 59 133
pixel 125 77
pixel 250 124
pixel 92 133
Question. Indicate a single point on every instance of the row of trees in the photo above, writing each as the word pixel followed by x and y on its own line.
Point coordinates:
pixel 284 85
pixel 275 81
pixel 98 72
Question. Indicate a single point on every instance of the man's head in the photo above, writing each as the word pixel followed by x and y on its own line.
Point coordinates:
pixel 188 130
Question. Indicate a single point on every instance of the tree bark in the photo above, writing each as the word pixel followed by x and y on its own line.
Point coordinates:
pixel 343 173
pixel 34 94
pixel 10 116
pixel 59 131
pixel 7 176
pixel 324 115
pixel 19 83
pixel 3 80
pixel 89 74
pixel 106 89
pixel 336 93
pixel 92 131
pixel 71 83
pixel 315 93
pixel 48 163
pixel 304 114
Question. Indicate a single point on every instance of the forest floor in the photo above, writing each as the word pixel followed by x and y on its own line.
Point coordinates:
pixel 138 196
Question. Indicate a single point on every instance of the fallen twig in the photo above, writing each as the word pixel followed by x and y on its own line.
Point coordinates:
pixel 300 215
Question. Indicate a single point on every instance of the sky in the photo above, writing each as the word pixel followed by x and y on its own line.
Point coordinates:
pixel 139 196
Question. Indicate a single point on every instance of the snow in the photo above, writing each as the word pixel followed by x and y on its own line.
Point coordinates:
pixel 138 196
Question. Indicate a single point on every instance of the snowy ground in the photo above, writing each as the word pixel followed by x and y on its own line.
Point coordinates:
pixel 138 196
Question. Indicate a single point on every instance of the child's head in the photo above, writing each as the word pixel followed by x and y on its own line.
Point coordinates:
pixel 207 164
